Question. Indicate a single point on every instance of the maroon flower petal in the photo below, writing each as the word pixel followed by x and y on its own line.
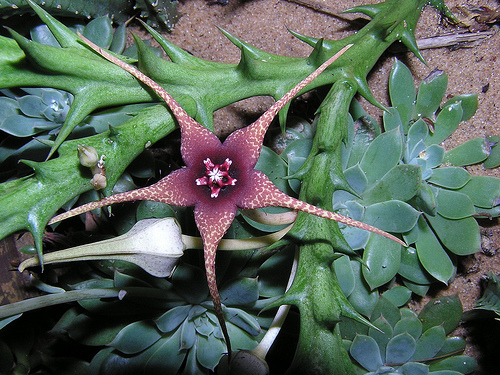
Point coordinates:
pixel 249 139
pixel 261 192
pixel 171 190
pixel 213 224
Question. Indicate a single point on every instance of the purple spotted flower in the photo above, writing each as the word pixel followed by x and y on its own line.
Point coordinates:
pixel 218 178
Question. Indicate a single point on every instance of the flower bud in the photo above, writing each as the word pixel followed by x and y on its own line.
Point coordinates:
pixel 88 156
pixel 99 181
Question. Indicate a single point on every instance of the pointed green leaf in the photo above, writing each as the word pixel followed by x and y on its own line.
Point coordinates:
pixel 430 93
pixel 209 351
pixel 483 190
pixel 400 183
pixel 400 349
pixel 426 200
pixel 388 310
pixel 429 344
pixel 136 337
pixel 240 292
pixel 446 311
pixel 409 324
pixel 365 350
pixel 392 216
pixel 449 177
pixel 382 155
pixel 471 152
pixel 418 289
pixel 243 320
pixel 432 255
pixel 461 364
pixel 99 31
pixel 362 298
pixel 454 205
pixel 382 257
pixel 402 92
pixel 392 119
pixel 468 102
pixel 412 269
pixel 452 345
pixel 345 274
pixel 398 295
pixel 446 123
pixel 172 318
pixel 383 336
pixel 168 347
pixel 461 236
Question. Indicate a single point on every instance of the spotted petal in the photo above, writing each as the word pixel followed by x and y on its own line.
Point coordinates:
pixel 170 190
pixel 250 138
pixel 261 192
pixel 213 222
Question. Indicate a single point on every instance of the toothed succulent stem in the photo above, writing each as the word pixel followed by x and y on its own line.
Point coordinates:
pixel 315 290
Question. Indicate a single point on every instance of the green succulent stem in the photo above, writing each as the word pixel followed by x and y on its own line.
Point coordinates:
pixel 315 289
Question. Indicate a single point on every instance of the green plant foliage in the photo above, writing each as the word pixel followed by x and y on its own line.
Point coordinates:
pixel 407 343
pixel 334 167
pixel 429 199
pixel 158 13
pixel 489 303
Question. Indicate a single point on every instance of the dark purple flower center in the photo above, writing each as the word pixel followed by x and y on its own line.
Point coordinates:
pixel 216 176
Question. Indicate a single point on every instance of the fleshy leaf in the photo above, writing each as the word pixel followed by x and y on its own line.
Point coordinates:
pixel 460 236
pixel 172 318
pixel 461 364
pixel 483 190
pixel 345 274
pixel 365 351
pixel 454 205
pixel 446 311
pixel 384 335
pixel 382 258
pixel 400 183
pixel 446 123
pixel 136 337
pixel 209 351
pixel 471 152
pixel 398 295
pixel 240 292
pixel 409 324
pixel 400 349
pixel 402 92
pixel 468 102
pixel 450 177
pixel 430 93
pixel 429 344
pixel 382 155
pixel 392 216
pixel 432 255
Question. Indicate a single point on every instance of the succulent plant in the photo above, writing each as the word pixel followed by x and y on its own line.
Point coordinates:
pixel 405 176
pixel 402 342
pixel 316 289
pixel 159 13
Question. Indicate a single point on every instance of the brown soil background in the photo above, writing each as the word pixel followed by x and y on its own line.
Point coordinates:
pixel 263 24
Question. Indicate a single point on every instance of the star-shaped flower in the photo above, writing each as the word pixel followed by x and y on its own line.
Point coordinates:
pixel 218 177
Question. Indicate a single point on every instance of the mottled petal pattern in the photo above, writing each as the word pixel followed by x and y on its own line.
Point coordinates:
pixel 212 225
pixel 263 193
pixel 208 183
pixel 250 138
pixel 170 190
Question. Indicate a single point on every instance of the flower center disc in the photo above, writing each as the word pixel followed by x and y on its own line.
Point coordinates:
pixel 216 176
